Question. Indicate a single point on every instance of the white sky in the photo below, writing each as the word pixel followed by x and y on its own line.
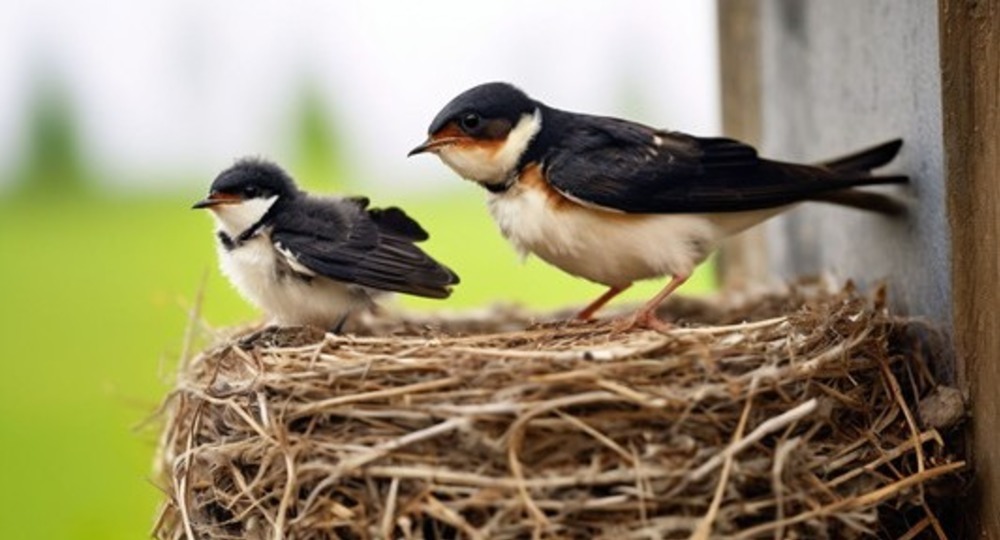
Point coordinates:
pixel 165 88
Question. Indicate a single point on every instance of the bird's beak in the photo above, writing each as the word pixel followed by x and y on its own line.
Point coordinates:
pixel 215 199
pixel 426 146
pixel 432 144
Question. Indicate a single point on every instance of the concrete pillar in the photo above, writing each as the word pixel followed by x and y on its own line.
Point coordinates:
pixel 838 77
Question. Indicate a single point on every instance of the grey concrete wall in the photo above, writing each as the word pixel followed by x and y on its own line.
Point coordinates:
pixel 838 76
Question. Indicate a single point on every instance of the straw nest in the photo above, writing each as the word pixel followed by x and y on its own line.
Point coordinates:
pixel 823 421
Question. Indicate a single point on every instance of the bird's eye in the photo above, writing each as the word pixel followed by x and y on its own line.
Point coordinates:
pixel 250 192
pixel 470 122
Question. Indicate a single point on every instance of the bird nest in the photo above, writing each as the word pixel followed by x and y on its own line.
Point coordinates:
pixel 803 422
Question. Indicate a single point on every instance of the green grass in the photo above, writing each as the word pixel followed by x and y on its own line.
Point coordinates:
pixel 93 296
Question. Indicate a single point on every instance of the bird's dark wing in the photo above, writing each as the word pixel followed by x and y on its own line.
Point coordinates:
pixel 394 220
pixel 370 247
pixel 629 167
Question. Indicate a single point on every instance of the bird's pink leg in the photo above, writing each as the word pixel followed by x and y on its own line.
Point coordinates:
pixel 646 317
pixel 588 312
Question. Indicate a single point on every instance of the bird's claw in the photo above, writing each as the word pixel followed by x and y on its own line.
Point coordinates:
pixel 643 320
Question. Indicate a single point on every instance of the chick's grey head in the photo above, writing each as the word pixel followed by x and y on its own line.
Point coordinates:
pixel 484 131
pixel 242 195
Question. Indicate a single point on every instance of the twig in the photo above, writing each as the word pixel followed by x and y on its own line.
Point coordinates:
pixel 862 501
pixel 768 426
pixel 722 329
pixel 704 528
pixel 415 388
pixel 286 497
pixel 387 447
pixel 389 512
pixel 781 453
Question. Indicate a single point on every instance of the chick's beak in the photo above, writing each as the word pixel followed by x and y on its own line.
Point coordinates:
pixel 215 199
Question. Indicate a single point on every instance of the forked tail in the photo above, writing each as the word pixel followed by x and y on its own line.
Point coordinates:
pixel 860 164
pixel 867 159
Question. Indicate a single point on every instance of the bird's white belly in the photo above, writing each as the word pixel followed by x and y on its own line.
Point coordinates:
pixel 609 247
pixel 253 270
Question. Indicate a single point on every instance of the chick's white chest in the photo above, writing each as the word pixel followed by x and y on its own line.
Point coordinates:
pixel 608 247
pixel 255 270
pixel 251 268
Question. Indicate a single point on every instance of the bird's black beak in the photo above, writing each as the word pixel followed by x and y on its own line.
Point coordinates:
pixel 215 199
pixel 427 145
pixel 434 142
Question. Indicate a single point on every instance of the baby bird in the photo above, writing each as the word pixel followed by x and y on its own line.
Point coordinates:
pixel 308 260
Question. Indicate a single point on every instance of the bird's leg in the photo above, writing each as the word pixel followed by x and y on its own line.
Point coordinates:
pixel 338 327
pixel 646 317
pixel 588 312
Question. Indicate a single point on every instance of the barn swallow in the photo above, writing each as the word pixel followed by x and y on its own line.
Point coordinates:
pixel 614 202
pixel 309 260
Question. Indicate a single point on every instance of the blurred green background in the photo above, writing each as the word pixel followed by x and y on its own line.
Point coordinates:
pixel 96 282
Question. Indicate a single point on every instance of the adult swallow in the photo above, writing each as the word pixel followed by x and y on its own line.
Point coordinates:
pixel 614 201
pixel 308 260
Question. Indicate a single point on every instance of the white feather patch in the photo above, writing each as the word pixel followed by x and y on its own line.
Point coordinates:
pixel 235 218
pixel 611 248
pixel 293 261
pixel 252 268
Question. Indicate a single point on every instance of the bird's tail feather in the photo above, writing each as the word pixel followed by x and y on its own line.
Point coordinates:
pixel 863 200
pixel 860 164
pixel 866 159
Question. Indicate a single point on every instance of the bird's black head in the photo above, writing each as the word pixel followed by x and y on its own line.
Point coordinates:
pixel 486 111
pixel 482 133
pixel 247 180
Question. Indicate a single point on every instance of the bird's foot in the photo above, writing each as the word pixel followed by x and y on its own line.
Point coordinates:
pixel 576 322
pixel 338 327
pixel 642 320
pixel 275 335
pixel 584 316
pixel 587 313
pixel 262 333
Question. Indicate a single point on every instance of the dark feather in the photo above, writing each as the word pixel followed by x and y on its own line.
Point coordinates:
pixel 395 220
pixel 359 200
pixel 373 248
pixel 863 200
pixel 863 162
pixel 867 159
pixel 629 167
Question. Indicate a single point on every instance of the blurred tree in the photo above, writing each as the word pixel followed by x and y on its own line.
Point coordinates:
pixel 52 161
pixel 319 154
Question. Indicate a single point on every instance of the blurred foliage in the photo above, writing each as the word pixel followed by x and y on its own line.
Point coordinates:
pixel 319 160
pixel 53 161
